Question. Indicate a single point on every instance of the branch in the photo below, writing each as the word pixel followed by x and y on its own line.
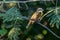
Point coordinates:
pixel 17 1
pixel 49 30
pixel 48 13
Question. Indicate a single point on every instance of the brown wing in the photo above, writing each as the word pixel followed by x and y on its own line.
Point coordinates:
pixel 32 20
pixel 34 17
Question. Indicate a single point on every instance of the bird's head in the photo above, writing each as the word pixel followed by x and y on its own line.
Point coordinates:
pixel 39 10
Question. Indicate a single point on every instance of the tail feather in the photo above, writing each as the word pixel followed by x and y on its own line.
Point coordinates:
pixel 28 25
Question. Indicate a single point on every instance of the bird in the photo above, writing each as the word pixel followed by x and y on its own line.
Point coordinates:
pixel 35 17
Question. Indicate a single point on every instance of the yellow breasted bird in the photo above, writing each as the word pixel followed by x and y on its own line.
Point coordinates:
pixel 35 17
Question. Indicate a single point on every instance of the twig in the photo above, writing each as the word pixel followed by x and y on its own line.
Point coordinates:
pixel 19 5
pixel 26 6
pixel 48 13
pixel 49 30
pixel 16 1
pixel 45 14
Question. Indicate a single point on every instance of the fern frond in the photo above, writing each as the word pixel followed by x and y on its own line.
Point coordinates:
pixel 54 18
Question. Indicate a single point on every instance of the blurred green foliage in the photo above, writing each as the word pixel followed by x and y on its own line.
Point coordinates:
pixel 54 18
pixel 12 22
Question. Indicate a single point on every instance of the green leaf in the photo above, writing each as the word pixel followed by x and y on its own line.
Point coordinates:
pixel 3 32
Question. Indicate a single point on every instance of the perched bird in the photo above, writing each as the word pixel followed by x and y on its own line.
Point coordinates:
pixel 35 17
